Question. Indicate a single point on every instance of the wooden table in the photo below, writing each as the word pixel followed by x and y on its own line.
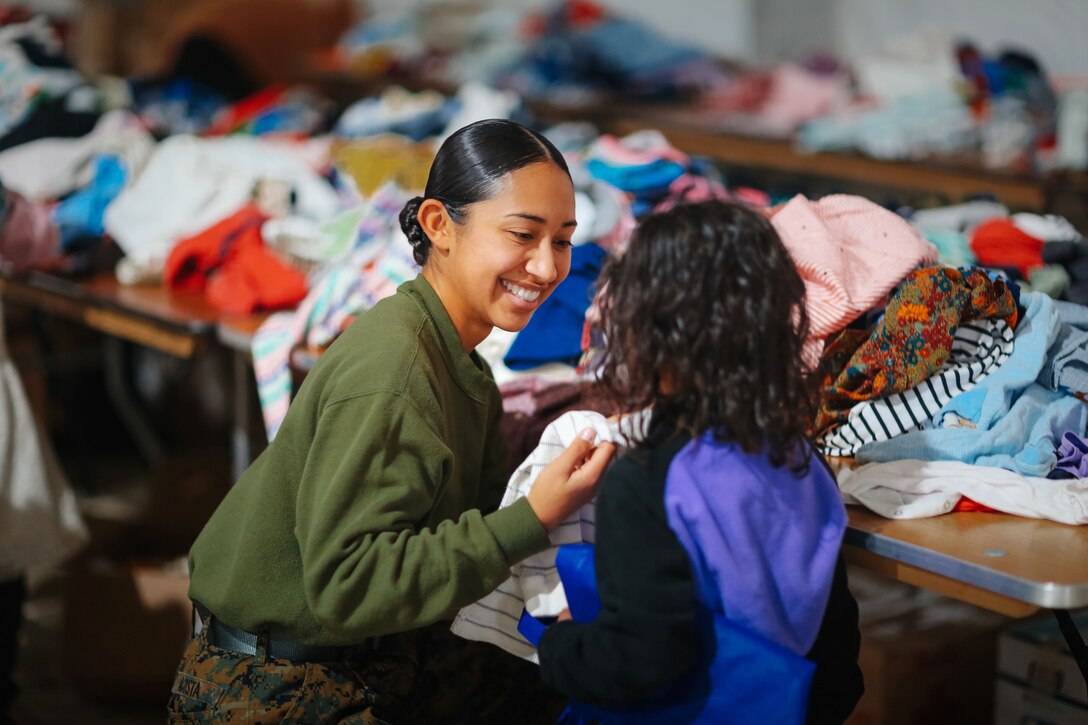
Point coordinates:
pixel 177 323
pixel 1008 564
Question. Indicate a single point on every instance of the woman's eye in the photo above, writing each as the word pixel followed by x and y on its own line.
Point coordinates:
pixel 562 243
pixel 523 236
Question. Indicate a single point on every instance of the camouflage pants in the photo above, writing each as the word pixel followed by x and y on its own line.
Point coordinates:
pixel 425 676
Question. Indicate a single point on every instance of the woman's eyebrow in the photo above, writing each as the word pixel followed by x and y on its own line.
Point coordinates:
pixel 541 220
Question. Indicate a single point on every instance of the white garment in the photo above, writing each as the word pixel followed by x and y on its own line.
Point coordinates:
pixel 534 584
pixel 1048 227
pixel 1072 150
pixel 913 64
pixel 478 102
pixel 191 183
pixel 913 489
pixel 49 168
pixel 961 218
pixel 40 524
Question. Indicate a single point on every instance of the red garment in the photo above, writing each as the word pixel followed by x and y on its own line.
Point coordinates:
pixel 230 261
pixel 1000 243
pixel 966 504
pixel 234 117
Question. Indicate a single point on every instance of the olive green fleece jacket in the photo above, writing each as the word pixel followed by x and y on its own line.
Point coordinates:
pixel 363 517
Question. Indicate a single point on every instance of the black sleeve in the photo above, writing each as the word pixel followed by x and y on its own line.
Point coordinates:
pixel 645 636
pixel 837 684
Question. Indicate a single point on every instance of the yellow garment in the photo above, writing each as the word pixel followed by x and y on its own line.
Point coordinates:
pixel 388 157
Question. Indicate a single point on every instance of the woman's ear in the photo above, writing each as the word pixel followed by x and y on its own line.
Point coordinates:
pixel 436 223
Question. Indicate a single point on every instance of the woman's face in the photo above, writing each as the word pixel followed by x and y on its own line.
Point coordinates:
pixel 510 253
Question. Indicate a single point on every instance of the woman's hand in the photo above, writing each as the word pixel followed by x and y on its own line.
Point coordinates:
pixel 570 481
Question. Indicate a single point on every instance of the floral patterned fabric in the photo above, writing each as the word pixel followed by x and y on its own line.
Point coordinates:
pixel 911 341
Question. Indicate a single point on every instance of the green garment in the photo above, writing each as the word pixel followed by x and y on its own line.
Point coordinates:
pixel 363 516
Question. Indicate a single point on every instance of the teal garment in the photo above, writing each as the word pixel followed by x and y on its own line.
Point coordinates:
pixel 953 248
pixel 363 517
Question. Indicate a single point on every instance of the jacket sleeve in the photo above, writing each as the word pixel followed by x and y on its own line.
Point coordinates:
pixel 368 568
pixel 645 636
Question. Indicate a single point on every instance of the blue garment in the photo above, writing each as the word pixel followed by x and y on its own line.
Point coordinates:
pixel 80 216
pixel 992 398
pixel 646 181
pixel 1017 422
pixel 554 334
pixel 368 117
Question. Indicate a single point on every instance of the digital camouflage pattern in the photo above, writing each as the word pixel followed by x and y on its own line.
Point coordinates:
pixel 459 682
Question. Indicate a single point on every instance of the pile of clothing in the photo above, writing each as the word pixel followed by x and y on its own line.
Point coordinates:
pixel 924 368
pixel 925 94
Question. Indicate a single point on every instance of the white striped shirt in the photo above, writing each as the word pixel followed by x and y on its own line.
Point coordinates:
pixel 534 584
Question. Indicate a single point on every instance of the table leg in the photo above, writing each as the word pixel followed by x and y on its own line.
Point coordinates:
pixel 121 395
pixel 241 455
pixel 1075 641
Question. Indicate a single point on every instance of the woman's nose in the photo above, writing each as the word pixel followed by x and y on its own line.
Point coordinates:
pixel 541 264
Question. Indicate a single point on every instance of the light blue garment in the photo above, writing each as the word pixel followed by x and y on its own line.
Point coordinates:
pixel 1066 366
pixel 1018 422
pixel 1023 440
pixel 992 398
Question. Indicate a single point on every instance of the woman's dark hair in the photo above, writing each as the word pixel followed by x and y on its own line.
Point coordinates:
pixel 469 167
pixel 704 319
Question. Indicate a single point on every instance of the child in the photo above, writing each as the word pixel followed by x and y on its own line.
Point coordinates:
pixel 724 500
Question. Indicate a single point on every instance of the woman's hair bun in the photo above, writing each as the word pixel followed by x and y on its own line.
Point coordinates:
pixel 409 224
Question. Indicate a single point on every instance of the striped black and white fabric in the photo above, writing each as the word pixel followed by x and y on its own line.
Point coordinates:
pixel 534 584
pixel 978 348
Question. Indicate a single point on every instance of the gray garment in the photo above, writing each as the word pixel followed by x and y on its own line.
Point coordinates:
pixel 1066 366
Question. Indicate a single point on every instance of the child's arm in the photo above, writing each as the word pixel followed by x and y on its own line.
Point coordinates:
pixel 645 636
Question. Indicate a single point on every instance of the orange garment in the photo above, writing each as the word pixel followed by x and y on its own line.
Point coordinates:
pixel 230 262
pixel 1000 243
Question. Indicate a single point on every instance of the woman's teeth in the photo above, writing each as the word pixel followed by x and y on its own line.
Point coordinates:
pixel 520 292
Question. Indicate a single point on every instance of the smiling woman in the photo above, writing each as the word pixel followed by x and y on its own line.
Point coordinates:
pixel 323 578
pixel 493 227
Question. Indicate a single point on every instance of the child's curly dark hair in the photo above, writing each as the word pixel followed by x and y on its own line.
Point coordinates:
pixel 704 319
